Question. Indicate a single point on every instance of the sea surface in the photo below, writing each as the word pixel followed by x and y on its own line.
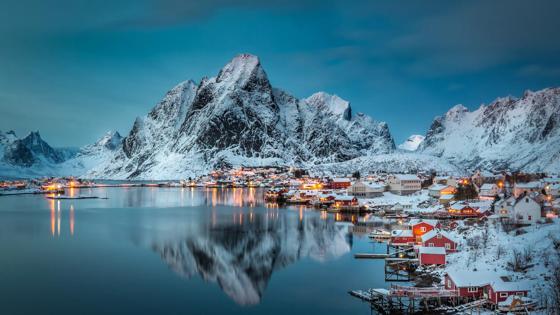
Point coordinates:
pixel 179 251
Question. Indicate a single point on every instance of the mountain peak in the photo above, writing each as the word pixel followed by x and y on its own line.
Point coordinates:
pixel 241 68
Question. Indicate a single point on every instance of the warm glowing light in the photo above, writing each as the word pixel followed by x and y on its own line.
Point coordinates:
pixel 71 219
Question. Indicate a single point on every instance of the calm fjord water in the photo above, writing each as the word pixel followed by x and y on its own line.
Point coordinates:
pixel 177 251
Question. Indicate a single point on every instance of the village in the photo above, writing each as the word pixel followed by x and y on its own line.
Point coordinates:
pixel 485 241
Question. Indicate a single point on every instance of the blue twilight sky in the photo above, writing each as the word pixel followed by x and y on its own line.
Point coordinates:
pixel 74 69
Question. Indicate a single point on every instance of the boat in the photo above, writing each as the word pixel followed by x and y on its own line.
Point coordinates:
pixel 515 303
pixel 377 233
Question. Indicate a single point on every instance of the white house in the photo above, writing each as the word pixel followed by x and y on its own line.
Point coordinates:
pixel 366 190
pixel 526 210
pixel 488 191
pixel 445 180
pixel 404 184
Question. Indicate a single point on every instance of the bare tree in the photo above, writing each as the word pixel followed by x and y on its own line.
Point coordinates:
pixel 554 285
pixel 485 236
pixel 500 251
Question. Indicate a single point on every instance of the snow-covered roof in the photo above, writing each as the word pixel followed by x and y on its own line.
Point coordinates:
pixel 447 197
pixel 530 185
pixel 487 186
pixel 431 222
pixel 433 233
pixel 344 198
pixel 341 180
pixel 431 250
pixel 406 177
pixel 437 187
pixel 467 278
pixel 500 283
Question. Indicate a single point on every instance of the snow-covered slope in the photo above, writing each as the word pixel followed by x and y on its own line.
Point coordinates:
pixel 397 162
pixel 238 118
pixel 519 134
pixel 412 143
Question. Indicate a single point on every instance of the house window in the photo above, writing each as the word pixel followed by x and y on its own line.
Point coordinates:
pixel 472 289
pixel 447 246
pixel 519 293
pixel 423 229
pixel 431 245
pixel 503 294
pixel 529 218
pixel 449 283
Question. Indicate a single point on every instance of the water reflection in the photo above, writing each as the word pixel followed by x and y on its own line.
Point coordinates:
pixel 229 237
pixel 240 256
pixel 56 217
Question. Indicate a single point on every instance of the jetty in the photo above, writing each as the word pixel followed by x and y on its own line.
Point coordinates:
pixel 406 299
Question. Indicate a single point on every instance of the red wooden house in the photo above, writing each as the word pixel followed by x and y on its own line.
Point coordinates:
pixel 420 227
pixel 402 237
pixel 431 255
pixel 340 183
pixel 484 284
pixel 500 290
pixel 344 201
pixel 437 238
pixel 462 210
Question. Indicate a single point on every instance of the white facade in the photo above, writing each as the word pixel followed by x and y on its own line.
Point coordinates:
pixel 366 190
pixel 404 184
pixel 526 210
pixel 489 190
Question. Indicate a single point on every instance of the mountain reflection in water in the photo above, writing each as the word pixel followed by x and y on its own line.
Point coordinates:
pixel 241 258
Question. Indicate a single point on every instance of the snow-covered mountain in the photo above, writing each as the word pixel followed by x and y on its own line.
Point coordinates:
pixel 32 156
pixel 412 143
pixel 238 118
pixel 517 134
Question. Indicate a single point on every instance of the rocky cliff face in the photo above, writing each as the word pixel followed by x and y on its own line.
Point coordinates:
pixel 238 118
pixel 509 133
pixel 29 150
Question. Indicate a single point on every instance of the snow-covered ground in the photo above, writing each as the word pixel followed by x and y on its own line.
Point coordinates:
pixel 496 253
pixel 412 143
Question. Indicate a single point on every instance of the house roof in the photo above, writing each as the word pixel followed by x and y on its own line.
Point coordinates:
pixel 345 198
pixel 487 186
pixel 530 185
pixel 437 187
pixel 407 177
pixel 431 250
pixel 434 233
pixel 500 283
pixel 447 197
pixel 341 180
pixel 431 222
